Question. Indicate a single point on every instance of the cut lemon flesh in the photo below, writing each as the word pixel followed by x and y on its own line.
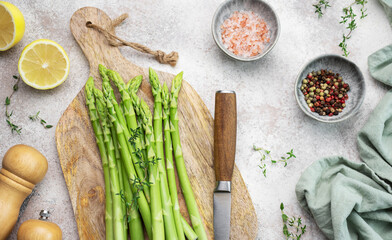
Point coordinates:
pixel 12 25
pixel 43 64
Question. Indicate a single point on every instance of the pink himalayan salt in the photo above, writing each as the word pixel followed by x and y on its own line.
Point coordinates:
pixel 244 33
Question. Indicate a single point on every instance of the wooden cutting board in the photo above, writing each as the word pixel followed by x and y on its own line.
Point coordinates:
pixel 79 156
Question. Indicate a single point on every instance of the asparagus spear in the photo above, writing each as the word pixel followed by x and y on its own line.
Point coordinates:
pixel 118 223
pixel 190 234
pixel 158 230
pixel 108 91
pixel 180 164
pixel 130 169
pixel 167 206
pixel 169 163
pixel 128 107
pixel 90 101
pixel 135 223
pixel 133 86
pixel 119 166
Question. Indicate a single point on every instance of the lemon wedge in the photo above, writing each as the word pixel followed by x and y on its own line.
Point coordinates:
pixel 12 25
pixel 43 64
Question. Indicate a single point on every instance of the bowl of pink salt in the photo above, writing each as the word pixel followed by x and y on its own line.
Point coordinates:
pixel 245 30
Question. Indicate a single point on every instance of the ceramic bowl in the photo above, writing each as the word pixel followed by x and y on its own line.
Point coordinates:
pixel 261 8
pixel 350 74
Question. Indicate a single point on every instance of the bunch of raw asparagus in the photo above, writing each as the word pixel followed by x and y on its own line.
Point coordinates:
pixel 137 149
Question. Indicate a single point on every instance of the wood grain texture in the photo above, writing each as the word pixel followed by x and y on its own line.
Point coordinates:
pixel 79 156
pixel 225 134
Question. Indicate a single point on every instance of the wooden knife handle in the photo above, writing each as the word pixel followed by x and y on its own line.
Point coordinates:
pixel 225 133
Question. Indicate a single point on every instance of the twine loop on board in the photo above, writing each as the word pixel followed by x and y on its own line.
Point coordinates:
pixel 115 41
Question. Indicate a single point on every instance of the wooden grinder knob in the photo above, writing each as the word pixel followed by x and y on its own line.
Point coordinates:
pixel 25 162
pixel 41 229
pixel 23 168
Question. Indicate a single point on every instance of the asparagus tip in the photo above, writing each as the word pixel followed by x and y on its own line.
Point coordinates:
pixel 134 84
pixel 165 95
pixel 102 69
pixel 176 85
pixel 154 80
pixel 98 93
pixel 89 84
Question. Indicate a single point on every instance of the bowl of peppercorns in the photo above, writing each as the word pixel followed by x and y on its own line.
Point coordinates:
pixel 330 88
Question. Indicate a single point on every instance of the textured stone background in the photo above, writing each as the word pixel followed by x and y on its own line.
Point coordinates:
pixel 267 112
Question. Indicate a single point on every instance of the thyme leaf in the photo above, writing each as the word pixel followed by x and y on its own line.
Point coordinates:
pixel 319 7
pixel 264 154
pixel 10 123
pixel 36 117
pixel 292 223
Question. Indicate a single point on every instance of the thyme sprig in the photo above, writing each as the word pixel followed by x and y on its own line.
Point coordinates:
pixel 295 224
pixel 12 125
pixel 319 7
pixel 137 182
pixel 284 159
pixel 264 153
pixel 348 19
pixel 36 117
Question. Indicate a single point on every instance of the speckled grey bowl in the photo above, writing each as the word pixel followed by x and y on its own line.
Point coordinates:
pixel 263 9
pixel 350 74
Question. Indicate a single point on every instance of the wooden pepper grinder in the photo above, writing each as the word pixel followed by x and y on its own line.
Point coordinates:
pixel 23 168
pixel 41 229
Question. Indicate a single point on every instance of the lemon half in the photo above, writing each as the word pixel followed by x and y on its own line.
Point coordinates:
pixel 12 25
pixel 43 64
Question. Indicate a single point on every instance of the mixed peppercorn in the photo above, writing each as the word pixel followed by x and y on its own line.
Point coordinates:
pixel 325 92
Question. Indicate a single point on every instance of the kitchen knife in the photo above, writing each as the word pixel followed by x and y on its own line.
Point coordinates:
pixel 225 130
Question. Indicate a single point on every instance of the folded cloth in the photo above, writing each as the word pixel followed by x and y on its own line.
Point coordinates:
pixel 375 139
pixel 347 200
pixel 380 65
pixel 354 200
pixel 351 200
pixel 387 4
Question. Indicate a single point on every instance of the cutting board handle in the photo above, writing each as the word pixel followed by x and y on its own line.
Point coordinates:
pixel 91 41
pixel 225 132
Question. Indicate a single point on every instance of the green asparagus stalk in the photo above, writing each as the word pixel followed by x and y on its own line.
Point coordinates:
pixel 129 112
pixel 142 203
pixel 190 234
pixel 180 164
pixel 118 163
pixel 167 206
pixel 90 101
pixel 133 86
pixel 169 163
pixel 128 107
pixel 118 223
pixel 158 231
pixel 135 223
pixel 108 91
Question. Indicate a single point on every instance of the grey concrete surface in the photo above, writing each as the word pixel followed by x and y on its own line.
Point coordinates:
pixel 268 114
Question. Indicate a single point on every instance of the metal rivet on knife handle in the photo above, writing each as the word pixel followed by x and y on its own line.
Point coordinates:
pixel 225 132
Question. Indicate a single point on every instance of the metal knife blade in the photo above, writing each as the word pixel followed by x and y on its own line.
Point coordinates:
pixel 222 210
